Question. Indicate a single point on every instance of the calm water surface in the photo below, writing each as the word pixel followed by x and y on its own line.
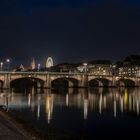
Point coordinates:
pixel 79 113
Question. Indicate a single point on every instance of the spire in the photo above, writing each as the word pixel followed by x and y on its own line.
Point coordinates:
pixel 33 65
pixel 21 67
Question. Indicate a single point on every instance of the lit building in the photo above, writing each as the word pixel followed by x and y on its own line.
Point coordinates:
pixel 100 69
pixel 97 67
pixel 129 71
pixel 130 66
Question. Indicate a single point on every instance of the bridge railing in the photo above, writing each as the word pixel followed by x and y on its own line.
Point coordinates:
pixel 60 73
pixel 38 72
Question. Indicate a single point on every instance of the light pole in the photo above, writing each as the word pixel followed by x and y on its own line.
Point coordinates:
pixel 38 67
pixel 85 67
pixel 114 70
pixel 8 64
pixel 86 74
pixel 1 66
pixel 113 75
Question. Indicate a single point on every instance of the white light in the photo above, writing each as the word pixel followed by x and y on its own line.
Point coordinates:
pixel 85 109
pixel 7 60
pixel 38 66
pixel 1 63
pixel 114 66
pixel 85 67
pixel 85 64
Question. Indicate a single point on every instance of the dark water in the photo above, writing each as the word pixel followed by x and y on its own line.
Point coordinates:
pixel 81 113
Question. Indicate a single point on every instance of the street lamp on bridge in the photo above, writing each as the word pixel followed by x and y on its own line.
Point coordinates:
pixel 114 70
pixel 86 74
pixel 8 64
pixel 1 66
pixel 85 67
pixel 38 67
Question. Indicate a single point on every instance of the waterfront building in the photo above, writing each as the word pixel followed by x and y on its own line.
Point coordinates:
pixel 130 66
pixel 97 67
pixel 129 71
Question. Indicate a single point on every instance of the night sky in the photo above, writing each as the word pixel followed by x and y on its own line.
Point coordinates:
pixel 68 30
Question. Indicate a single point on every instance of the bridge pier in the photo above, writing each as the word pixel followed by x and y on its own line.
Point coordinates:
pixel 84 81
pixel 47 83
pixel 6 84
pixel 137 82
pixel 113 81
pixel 70 84
pixel 100 83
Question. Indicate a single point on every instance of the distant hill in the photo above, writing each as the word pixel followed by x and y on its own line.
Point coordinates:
pixel 105 62
pixel 132 60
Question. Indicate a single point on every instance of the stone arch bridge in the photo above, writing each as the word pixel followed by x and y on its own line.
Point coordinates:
pixel 45 79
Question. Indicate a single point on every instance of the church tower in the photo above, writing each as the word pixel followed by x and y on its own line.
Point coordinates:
pixel 33 65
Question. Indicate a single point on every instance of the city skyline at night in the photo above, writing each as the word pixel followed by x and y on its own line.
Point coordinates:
pixel 69 69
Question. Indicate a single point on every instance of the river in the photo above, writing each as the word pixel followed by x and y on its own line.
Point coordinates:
pixel 96 113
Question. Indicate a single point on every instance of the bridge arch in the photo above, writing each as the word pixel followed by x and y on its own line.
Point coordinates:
pixel 26 83
pixel 122 82
pixel 64 82
pixel 99 82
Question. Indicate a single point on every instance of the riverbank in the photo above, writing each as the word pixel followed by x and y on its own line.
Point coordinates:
pixel 13 129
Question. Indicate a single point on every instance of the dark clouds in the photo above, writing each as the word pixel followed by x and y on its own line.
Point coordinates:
pixel 69 30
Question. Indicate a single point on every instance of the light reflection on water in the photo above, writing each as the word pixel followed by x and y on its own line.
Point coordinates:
pixel 69 111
